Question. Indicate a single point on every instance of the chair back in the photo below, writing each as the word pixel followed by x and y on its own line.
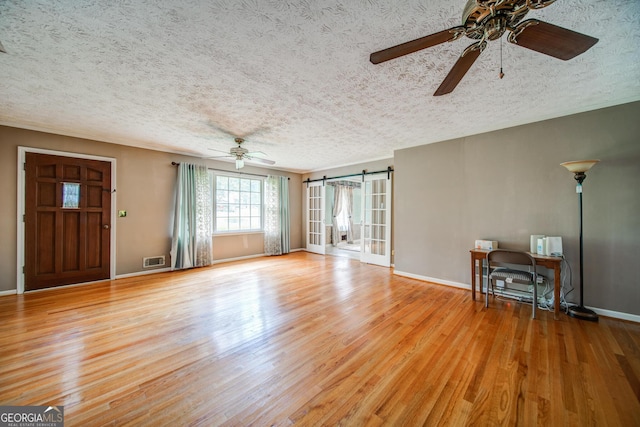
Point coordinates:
pixel 508 256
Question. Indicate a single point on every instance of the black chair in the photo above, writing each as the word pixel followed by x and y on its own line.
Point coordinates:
pixel 499 262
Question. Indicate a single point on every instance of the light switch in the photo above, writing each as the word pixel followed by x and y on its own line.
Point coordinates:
pixel 122 214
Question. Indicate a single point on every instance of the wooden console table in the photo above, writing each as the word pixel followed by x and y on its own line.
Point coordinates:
pixel 551 262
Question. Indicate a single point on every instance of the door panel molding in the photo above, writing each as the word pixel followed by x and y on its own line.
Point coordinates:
pixel 21 194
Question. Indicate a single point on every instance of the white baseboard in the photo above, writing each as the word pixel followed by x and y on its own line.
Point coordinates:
pixel 143 273
pixel 168 269
pixel 9 292
pixel 616 314
pixel 71 285
pixel 218 261
pixel 240 258
pixel 600 311
pixel 433 280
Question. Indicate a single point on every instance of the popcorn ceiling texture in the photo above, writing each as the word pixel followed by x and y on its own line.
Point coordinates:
pixel 292 77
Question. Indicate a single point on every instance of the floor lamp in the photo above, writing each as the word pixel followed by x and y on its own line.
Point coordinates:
pixel 579 168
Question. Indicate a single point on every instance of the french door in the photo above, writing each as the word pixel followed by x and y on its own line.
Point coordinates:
pixel 315 218
pixel 376 221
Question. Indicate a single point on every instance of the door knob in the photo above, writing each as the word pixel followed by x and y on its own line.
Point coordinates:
pixel 106 226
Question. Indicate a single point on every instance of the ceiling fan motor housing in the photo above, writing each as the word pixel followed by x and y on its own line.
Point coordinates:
pixel 489 19
pixel 239 151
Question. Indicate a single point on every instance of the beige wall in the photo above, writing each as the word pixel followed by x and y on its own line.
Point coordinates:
pixel 144 188
pixel 507 185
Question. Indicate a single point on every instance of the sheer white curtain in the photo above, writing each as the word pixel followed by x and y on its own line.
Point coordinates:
pixel 191 243
pixel 342 213
pixel 276 217
pixel 348 207
pixel 337 208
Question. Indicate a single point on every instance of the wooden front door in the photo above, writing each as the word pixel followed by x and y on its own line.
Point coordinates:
pixel 67 220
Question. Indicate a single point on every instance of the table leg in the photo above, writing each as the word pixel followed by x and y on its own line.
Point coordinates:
pixel 473 277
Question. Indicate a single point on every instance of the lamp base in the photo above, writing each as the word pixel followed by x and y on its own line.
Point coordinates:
pixel 583 313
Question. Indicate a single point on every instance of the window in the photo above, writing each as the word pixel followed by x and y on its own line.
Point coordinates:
pixel 70 195
pixel 238 203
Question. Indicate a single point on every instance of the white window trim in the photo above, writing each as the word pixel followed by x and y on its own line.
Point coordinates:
pixel 215 174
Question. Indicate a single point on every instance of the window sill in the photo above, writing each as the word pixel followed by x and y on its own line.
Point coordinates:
pixel 236 233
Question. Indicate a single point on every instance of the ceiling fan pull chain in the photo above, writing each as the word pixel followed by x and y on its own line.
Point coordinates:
pixel 501 73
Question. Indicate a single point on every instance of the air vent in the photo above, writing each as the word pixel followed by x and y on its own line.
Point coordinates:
pixel 153 261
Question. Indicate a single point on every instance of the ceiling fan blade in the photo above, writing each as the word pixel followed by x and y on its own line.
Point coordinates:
pixel 256 153
pixel 416 45
pixel 550 39
pixel 256 159
pixel 219 151
pixel 219 157
pixel 460 68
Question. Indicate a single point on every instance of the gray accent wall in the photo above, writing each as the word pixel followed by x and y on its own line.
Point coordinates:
pixel 508 184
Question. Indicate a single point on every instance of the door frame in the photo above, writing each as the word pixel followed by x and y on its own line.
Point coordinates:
pixel 20 243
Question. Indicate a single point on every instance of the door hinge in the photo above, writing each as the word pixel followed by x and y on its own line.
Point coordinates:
pixel 23 269
pixel 24 217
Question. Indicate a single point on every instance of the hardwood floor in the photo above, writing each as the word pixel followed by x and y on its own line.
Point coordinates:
pixel 309 340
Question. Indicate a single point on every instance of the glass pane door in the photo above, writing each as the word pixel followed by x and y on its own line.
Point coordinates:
pixel 315 218
pixel 376 222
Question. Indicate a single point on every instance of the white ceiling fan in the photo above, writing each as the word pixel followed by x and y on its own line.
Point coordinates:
pixel 240 154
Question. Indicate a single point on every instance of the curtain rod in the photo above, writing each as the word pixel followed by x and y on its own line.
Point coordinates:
pixel 362 174
pixel 224 170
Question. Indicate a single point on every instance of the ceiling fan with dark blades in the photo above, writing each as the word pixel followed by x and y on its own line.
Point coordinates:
pixel 240 154
pixel 487 20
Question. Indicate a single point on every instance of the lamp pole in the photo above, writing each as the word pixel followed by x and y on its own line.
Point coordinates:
pixel 580 311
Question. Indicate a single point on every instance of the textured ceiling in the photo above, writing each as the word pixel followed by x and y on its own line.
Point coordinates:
pixel 292 76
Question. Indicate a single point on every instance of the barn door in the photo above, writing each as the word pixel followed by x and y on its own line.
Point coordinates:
pixel 315 218
pixel 67 220
pixel 376 221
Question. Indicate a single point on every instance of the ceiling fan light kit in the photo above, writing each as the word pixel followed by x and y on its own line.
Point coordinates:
pixel 488 20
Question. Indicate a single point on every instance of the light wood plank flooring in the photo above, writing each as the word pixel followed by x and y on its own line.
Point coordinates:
pixel 309 340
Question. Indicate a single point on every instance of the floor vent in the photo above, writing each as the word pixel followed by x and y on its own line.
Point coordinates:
pixel 153 261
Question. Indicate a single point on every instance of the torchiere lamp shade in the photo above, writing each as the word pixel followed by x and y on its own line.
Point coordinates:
pixel 578 166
